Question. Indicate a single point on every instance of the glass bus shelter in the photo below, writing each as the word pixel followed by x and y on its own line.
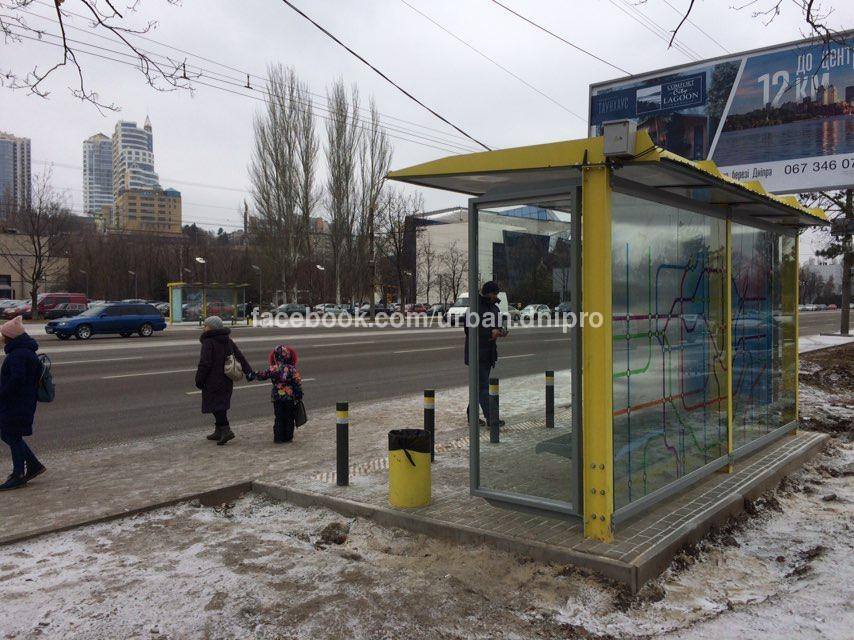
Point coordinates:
pixel 675 349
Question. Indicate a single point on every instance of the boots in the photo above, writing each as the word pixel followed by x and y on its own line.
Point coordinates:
pixel 14 481
pixel 225 435
pixel 217 433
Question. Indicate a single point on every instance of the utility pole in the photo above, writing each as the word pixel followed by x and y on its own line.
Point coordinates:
pixel 847 261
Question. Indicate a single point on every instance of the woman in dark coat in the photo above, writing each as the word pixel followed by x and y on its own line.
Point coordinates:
pixel 216 387
pixel 19 377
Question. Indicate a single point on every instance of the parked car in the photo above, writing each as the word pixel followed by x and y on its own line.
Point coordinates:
pixel 416 309
pixel 438 309
pixel 17 308
pixel 292 309
pixel 65 310
pixel 460 307
pixel 121 318
pixel 536 312
pixel 832 307
pixel 563 309
pixel 163 308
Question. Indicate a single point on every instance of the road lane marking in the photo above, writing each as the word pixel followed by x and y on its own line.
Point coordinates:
pixel 456 346
pixel 521 355
pixel 148 373
pixel 340 344
pixel 245 386
pixel 56 364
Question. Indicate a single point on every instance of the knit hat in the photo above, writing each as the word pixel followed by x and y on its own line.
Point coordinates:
pixel 284 355
pixel 214 322
pixel 13 328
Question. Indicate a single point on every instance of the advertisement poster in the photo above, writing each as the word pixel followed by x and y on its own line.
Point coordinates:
pixel 784 116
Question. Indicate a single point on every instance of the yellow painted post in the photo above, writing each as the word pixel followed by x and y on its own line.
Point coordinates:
pixel 597 420
pixel 728 341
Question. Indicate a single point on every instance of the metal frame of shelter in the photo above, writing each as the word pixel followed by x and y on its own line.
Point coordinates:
pixel 578 177
pixel 176 298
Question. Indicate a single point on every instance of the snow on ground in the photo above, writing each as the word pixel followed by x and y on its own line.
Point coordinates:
pixel 261 569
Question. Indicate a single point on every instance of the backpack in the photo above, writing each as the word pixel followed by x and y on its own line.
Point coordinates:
pixel 45 389
pixel 233 370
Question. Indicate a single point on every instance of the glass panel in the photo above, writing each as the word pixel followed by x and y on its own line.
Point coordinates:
pixel 527 250
pixel 764 344
pixel 669 359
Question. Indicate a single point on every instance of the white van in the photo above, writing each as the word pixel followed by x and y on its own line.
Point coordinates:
pixel 460 307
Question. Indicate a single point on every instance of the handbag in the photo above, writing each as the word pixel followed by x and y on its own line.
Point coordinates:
pixel 45 388
pixel 233 370
pixel 300 417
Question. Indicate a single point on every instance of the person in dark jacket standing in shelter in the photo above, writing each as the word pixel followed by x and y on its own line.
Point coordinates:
pixel 489 328
pixel 216 386
pixel 19 378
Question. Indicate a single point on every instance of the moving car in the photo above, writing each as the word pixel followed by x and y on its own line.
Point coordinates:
pixel 292 309
pixel 121 318
pixel 65 310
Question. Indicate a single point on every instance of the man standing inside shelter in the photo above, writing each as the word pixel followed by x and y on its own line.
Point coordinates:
pixel 489 328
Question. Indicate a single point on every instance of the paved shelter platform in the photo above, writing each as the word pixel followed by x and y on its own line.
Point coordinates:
pixel 642 547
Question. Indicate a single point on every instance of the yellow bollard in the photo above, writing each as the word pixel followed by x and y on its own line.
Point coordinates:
pixel 409 479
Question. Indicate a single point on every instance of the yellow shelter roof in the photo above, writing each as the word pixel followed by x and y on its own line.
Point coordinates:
pixel 650 167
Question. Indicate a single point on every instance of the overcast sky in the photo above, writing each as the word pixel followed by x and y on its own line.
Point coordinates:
pixel 205 137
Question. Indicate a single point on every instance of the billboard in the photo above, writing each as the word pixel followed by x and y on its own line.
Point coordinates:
pixel 783 115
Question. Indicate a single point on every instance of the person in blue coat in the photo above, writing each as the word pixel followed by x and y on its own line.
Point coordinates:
pixel 19 378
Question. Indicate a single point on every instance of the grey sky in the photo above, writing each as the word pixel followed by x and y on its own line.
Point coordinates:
pixel 205 137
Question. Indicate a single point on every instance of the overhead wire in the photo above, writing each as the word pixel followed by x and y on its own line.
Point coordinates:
pixel 447 147
pixel 444 145
pixel 653 28
pixel 495 62
pixel 562 39
pixel 376 70
pixel 243 73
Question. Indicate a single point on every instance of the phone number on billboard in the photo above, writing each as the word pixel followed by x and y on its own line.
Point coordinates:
pixel 818 166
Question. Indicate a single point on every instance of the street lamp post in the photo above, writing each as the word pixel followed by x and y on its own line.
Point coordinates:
pixel 135 284
pixel 204 262
pixel 86 275
pixel 255 267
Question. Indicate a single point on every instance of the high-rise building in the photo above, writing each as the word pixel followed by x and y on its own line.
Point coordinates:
pixel 97 174
pixel 15 173
pixel 133 158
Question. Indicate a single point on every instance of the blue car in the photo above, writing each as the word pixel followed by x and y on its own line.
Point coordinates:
pixel 122 318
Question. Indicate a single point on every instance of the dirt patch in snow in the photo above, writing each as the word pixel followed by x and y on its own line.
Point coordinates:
pixel 827 390
pixel 261 569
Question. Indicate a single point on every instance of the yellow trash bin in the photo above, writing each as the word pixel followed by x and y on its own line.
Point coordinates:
pixel 409 467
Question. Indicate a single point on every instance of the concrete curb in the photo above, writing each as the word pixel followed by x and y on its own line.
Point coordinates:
pixel 615 570
pixel 653 562
pixel 207 498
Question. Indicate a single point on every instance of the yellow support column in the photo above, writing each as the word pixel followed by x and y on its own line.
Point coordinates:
pixel 597 420
pixel 728 342
pixel 797 284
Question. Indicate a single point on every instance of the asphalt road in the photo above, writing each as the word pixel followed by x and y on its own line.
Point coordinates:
pixel 112 390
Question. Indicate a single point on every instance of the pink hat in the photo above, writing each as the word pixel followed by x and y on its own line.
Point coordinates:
pixel 13 328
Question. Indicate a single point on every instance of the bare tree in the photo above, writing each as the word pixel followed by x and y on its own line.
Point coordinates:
pixel 374 162
pixel 343 137
pixel 838 241
pixel 395 207
pixel 282 172
pixel 425 263
pixel 36 241
pixel 455 266
pixel 102 17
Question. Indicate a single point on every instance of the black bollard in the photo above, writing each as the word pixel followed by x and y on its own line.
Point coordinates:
pixel 430 419
pixel 550 399
pixel 493 410
pixel 342 443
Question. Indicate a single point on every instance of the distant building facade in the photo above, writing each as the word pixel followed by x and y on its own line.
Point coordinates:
pixel 133 157
pixel 156 211
pixel 97 174
pixel 15 173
